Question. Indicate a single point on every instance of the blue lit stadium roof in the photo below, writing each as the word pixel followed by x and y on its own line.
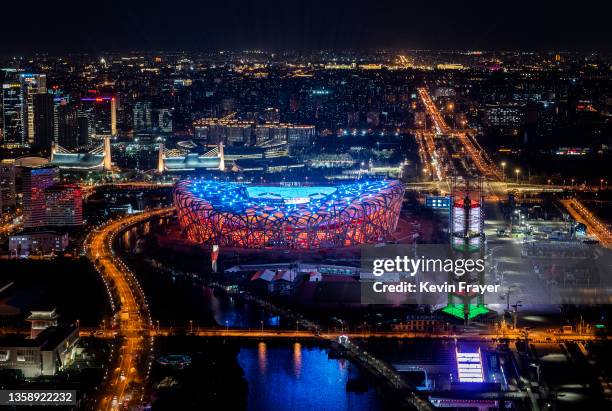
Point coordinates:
pixel 240 215
pixel 237 198
pixel 295 195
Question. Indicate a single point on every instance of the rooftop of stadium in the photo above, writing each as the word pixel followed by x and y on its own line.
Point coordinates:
pixel 236 198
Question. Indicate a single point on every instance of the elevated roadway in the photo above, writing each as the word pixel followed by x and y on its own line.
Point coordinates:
pixel 595 226
pixel 132 317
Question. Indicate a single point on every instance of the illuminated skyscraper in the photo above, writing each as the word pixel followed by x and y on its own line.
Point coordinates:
pixel 46 203
pixel 31 84
pixel 11 112
pixel 35 181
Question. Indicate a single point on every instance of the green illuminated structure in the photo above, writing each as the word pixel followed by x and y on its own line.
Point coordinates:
pixel 467 242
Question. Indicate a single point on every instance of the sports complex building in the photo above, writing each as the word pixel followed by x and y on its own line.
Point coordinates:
pixel 303 217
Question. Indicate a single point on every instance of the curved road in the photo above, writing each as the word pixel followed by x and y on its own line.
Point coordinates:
pixel 132 316
pixel 595 226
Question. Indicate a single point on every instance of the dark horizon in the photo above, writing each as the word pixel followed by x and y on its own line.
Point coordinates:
pixel 301 26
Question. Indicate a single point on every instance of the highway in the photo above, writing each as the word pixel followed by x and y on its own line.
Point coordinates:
pixel 132 314
pixel 595 226
pixel 481 161
pixel 534 335
pixel 433 112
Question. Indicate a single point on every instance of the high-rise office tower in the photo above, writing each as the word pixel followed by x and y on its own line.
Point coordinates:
pixel 143 117
pixel 35 182
pixel 102 111
pixel 44 130
pixel 7 185
pixel 67 126
pixel 11 112
pixel 84 126
pixel 31 84
pixel 164 121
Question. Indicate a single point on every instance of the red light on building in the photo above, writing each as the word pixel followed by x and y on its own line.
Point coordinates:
pixel 224 214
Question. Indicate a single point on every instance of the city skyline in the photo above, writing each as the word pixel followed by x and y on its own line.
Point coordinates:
pixel 368 207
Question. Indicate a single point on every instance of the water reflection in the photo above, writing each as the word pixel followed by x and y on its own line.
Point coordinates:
pixel 297 359
pixel 262 358
pixel 342 365
pixel 126 239
pixel 288 377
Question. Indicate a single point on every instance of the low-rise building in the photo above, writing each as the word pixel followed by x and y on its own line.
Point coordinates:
pixel 48 349
pixel 420 324
pixel 30 242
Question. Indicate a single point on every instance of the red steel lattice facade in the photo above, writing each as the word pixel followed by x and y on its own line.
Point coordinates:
pixel 224 214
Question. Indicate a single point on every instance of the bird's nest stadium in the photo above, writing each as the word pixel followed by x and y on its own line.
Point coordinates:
pixel 304 217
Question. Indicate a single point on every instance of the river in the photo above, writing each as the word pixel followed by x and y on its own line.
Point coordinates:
pixel 293 376
pixel 280 375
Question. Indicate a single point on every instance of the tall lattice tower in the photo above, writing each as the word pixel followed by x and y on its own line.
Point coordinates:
pixel 467 241
pixel 108 162
pixel 160 158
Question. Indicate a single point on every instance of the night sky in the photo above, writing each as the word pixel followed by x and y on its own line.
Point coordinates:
pixel 59 26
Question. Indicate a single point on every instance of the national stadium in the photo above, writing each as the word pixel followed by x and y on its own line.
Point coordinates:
pixel 303 217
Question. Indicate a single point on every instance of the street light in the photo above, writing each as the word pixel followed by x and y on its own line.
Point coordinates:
pixel 517 171
pixel 503 165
